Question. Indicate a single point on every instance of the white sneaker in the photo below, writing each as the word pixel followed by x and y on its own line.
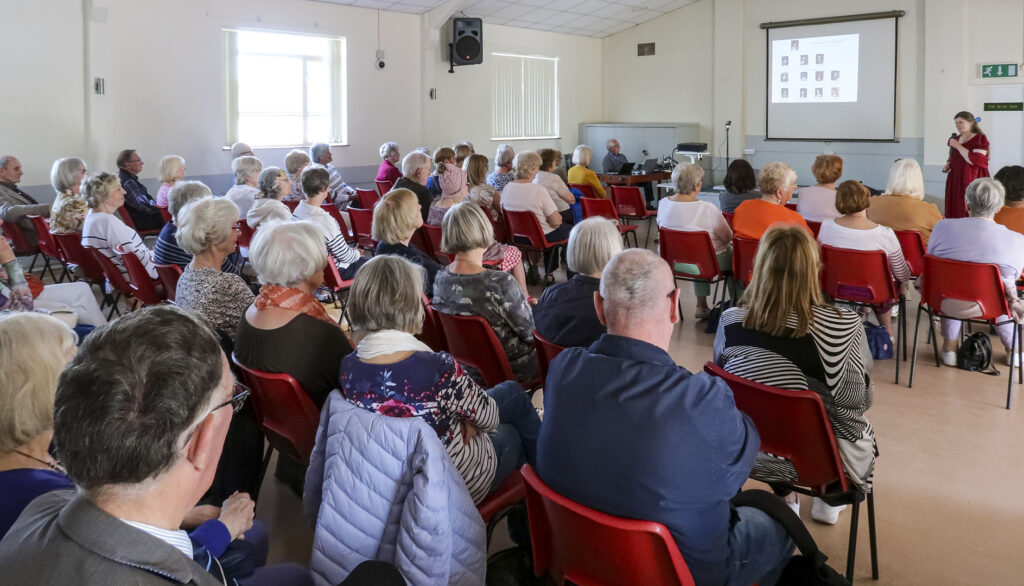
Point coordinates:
pixel 1016 359
pixel 823 513
pixel 795 505
pixel 948 358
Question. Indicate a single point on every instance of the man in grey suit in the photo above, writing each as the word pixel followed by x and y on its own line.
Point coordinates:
pixel 15 204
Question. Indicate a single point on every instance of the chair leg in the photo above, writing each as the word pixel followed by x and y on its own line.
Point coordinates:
pixel 913 351
pixel 872 536
pixel 32 266
pixel 647 236
pixel 851 553
pixel 900 334
pixel 263 470
pixel 903 322
pixel 935 339
pixel 1013 353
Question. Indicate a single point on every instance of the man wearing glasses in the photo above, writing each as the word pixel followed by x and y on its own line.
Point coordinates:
pixel 141 206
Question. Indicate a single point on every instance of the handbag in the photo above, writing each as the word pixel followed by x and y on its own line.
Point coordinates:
pixel 878 341
pixel 975 354
pixel 715 314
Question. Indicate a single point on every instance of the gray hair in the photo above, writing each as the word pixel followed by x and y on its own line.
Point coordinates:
pixel 413 162
pixel 592 243
pixel 387 295
pixel 294 161
pixel 525 163
pixel 240 148
pixel 287 253
pixel 503 157
pixel 244 168
pixel 317 150
pixel 96 189
pixel 985 197
pixel 686 177
pixel 465 228
pixel 184 192
pixel 204 223
pixel 582 155
pixel 387 148
pixel 64 173
pixel 267 183
pixel 635 283
pixel 775 176
pixel 6 159
pixel 905 178
pixel 610 142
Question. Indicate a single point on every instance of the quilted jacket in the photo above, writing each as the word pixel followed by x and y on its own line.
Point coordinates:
pixel 384 488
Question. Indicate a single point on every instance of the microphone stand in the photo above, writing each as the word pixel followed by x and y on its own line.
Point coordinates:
pixel 727 125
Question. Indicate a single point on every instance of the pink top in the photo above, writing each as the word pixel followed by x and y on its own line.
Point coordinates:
pixel 161 196
pixel 388 172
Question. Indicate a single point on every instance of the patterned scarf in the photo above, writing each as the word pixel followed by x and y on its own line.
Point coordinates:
pixel 293 299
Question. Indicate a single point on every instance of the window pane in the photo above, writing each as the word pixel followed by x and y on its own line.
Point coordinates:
pixel 524 96
pixel 281 44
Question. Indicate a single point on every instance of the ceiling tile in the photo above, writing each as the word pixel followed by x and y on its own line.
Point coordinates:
pixel 563 4
pixel 540 15
pixel 485 7
pixel 513 11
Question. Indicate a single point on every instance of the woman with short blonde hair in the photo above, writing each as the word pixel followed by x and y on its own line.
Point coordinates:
pixel 817 202
pixel 777 181
pixel 481 192
pixel 395 219
pixel 172 170
pixel 68 210
pixel 103 228
pixel 902 206
pixel 523 195
pixel 294 162
pixel 581 174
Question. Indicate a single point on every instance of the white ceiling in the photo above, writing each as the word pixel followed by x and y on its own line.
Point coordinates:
pixel 589 18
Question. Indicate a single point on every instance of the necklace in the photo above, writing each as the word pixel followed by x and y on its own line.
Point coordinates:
pixel 53 466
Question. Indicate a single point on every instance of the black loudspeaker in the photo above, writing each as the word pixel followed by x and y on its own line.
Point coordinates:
pixel 467 41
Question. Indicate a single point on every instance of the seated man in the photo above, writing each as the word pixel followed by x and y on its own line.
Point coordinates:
pixel 141 207
pixel 340 192
pixel 141 439
pixel 614 160
pixel 15 204
pixel 628 432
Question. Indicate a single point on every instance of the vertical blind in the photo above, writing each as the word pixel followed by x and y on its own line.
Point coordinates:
pixel 524 101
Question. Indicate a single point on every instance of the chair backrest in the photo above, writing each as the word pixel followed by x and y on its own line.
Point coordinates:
pixel 246 232
pixel 165 213
pixel 169 278
pixel 526 226
pixel 728 218
pixel 332 276
pixel 595 206
pixel 291 204
pixel 139 280
pixel 433 234
pixel 498 225
pixel 744 251
pixel 913 250
pixel 419 240
pixel 791 205
pixel 546 352
pixel 367 198
pixel 689 247
pixel 12 231
pixel 284 411
pixel 76 254
pixel 814 226
pixel 362 225
pixel 47 243
pixel 862 276
pixel 629 201
pixel 122 212
pixel 432 334
pixel 792 424
pixel 575 543
pixel 966 281
pixel 335 213
pixel 111 272
pixel 585 188
pixel 472 342
pixel 384 186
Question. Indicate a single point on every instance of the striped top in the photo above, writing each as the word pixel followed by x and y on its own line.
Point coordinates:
pixel 832 360
pixel 177 539
pixel 343 254
pixel 104 231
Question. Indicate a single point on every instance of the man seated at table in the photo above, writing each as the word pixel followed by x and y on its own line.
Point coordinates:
pixel 628 432
pixel 614 160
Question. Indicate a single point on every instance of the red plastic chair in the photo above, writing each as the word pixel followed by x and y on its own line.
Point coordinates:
pixel 432 333
pixel 966 281
pixel 126 217
pixel 143 287
pixel 585 188
pixel 384 186
pixel 420 242
pixel 692 247
pixel 574 543
pixel 814 226
pixel 546 352
pixel 433 236
pixel 169 278
pixel 246 232
pixel 367 198
pixel 49 248
pixel 629 201
pixel 337 285
pixel 291 204
pixel 795 426
pixel 525 231
pixel 605 208
pixel 744 251
pixel 165 213
pixel 84 264
pixel 284 412
pixel 791 205
pixel 728 218
pixel 113 276
pixel 499 227
pixel 335 213
pixel 362 225
pixel 913 250
pixel 19 244
pixel 863 277
pixel 472 342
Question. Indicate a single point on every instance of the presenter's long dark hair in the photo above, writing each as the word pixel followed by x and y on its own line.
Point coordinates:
pixel 965 115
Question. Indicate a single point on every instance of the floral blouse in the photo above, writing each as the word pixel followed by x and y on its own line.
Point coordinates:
pixel 67 213
pixel 220 297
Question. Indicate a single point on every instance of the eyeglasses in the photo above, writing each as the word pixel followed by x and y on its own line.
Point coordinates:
pixel 239 394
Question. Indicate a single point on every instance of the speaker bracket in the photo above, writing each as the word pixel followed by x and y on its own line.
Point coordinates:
pixel 451 57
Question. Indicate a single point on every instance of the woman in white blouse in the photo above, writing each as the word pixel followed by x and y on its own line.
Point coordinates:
pixel 274 186
pixel 103 229
pixel 523 195
pixel 855 231
pixel 817 202
pixel 683 211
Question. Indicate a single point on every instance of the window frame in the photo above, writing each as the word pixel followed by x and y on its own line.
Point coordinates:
pixel 556 114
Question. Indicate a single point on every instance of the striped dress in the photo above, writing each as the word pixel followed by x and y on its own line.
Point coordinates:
pixel 832 360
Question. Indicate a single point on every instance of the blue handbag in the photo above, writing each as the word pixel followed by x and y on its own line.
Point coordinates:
pixel 878 341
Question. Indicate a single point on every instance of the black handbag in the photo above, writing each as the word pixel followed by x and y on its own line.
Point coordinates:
pixel 975 354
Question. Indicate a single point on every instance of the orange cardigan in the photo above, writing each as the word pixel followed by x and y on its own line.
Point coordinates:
pixel 754 216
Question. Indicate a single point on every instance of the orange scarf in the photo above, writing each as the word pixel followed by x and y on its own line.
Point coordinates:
pixel 293 299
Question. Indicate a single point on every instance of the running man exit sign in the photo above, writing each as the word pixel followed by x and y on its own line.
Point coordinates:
pixel 998 70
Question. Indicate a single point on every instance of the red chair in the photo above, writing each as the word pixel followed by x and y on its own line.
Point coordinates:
pixel 629 201
pixel 693 247
pixel 585 188
pixel 472 342
pixel 291 203
pixel 362 225
pixel 815 227
pixel 525 230
pixel 791 205
pixel 385 186
pixel 169 278
pixel 499 227
pixel 143 287
pixel 367 198
pixel 114 277
pixel 546 352
pixel 574 543
pixel 48 247
pixel 284 412
pixel 433 234
pixel 728 218
pixel 126 217
pixel 165 213
pixel 12 231
pixel 246 232
pixel 337 285
pixel 432 334
pixel 863 278
pixel 913 250
pixel 965 281
pixel 605 208
pixel 777 413
pixel 82 262
pixel 335 213
pixel 420 242
pixel 744 251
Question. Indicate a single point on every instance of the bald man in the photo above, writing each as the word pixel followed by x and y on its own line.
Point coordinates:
pixel 628 432
pixel 15 204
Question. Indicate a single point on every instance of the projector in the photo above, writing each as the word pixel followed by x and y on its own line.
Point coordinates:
pixel 692 147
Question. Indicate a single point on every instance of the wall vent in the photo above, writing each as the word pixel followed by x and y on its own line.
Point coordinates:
pixel 644 49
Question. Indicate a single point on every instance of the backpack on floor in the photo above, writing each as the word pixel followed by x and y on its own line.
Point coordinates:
pixel 878 341
pixel 975 354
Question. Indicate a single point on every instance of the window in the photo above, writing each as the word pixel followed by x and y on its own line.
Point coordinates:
pixel 524 100
pixel 285 89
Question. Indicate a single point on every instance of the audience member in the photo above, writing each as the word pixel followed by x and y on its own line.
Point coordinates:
pixel 786 335
pixel 416 169
pixel 632 434
pixel 68 210
pixel 119 424
pixel 103 229
pixel 340 192
pixel 556 188
pixel 443 157
pixel 818 202
pixel 481 192
pixel 777 182
pixel 245 190
pixel 394 374
pixel 580 172
pixel 614 159
pixel 274 186
pixel 1012 214
pixel 172 170
pixel 390 155
pixel 315 182
pixel 740 185
pixel 502 174
pixel 523 195
pixel 141 207
pixel 902 206
pixel 294 163
pixel 683 211
pixel 465 287
pixel 241 149
pixel 979 239
pixel 15 204
pixel 462 151
pixel 167 250
pixel 395 219
pixel 565 314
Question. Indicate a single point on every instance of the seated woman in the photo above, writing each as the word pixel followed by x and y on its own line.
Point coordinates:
pixel 315 181
pixel 777 182
pixel 502 174
pixel 294 162
pixel 463 151
pixel 416 169
pixel 68 211
pixel 902 206
pixel 395 219
pixel 580 171
pixel 785 335
pixel 442 157
pixel 818 202
pixel 245 191
pixel 103 228
pixel 207 231
pixel 1012 214
pixel 979 239
pixel 172 170
pixel 465 287
pixel 523 195
pixel 855 231
pixel 556 188
pixel 566 314
pixel 274 185
pixel 740 185
pixel 481 192
pixel 488 434
pixel 167 251
pixel 390 157
pixel 453 191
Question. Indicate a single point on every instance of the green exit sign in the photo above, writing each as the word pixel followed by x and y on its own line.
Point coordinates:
pixel 1004 106
pixel 999 70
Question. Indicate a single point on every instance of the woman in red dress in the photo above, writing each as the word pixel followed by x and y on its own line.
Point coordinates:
pixel 968 160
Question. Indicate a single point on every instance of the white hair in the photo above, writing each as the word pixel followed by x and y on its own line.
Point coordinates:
pixel 387 148
pixel 582 155
pixel 294 161
pixel 317 149
pixel 905 178
pixel 413 162
pixel 287 252
pixel 635 283
pixel 184 192
pixel 245 167
pixel 503 156
pixel 65 172
pixel 204 223
pixel 608 144
pixel 985 197
pixel 592 243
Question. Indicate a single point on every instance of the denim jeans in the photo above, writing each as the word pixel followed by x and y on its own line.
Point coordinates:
pixel 760 548
pixel 515 442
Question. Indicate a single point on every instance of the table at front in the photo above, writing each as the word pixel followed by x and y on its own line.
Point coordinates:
pixel 611 179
